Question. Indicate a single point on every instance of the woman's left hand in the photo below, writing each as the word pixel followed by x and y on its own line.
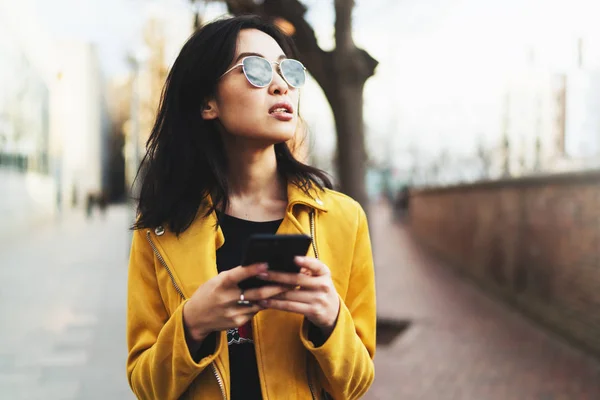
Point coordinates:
pixel 315 296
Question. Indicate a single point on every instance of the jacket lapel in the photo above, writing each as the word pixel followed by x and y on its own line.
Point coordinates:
pixel 192 256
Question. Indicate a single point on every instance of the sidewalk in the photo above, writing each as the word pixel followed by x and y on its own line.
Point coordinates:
pixel 462 344
pixel 27 201
pixel 62 309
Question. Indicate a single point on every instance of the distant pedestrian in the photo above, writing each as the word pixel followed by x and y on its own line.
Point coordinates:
pixel 89 205
pixel 402 202
pixel 102 203
pixel 219 168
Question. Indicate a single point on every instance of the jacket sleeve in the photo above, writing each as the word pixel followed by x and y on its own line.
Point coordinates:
pixel 159 364
pixel 346 357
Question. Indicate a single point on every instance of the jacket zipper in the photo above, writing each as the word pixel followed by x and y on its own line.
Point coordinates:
pixel 178 289
pixel 162 261
pixel 219 380
pixel 312 234
pixel 314 246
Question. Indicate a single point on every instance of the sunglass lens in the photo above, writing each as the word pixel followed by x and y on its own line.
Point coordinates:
pixel 293 72
pixel 258 71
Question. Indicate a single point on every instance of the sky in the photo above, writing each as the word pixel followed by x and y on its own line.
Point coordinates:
pixel 444 64
pixel 115 25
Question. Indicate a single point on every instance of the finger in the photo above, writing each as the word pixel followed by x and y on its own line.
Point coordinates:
pixel 248 310
pixel 315 266
pixel 290 279
pixel 299 296
pixel 240 315
pixel 285 305
pixel 265 292
pixel 238 274
pixel 249 307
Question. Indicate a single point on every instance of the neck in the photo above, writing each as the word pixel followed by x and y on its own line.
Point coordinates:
pixel 252 173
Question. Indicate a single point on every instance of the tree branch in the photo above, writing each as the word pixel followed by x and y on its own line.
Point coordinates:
pixel 343 26
pixel 240 7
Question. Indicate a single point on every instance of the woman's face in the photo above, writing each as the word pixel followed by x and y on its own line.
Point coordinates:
pixel 247 111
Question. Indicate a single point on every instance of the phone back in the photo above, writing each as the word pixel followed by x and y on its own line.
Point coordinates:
pixel 276 250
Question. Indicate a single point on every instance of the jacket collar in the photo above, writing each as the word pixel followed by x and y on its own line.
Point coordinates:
pixel 312 199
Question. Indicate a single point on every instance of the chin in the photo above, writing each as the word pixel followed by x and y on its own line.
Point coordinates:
pixel 274 136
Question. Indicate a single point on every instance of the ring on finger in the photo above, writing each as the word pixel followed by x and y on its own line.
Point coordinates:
pixel 242 301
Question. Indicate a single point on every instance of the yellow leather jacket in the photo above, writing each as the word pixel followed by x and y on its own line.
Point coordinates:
pixel 165 270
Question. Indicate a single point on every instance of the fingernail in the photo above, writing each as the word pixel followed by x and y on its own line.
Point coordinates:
pixel 263 303
pixel 263 267
pixel 263 275
pixel 299 258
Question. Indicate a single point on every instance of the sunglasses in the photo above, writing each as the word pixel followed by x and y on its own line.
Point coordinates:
pixel 259 71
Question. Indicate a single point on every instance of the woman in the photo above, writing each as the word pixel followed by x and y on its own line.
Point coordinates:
pixel 218 169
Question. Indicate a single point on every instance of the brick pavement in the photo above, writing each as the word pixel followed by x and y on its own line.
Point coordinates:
pixel 463 344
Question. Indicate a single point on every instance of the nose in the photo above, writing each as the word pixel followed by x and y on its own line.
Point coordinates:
pixel 278 84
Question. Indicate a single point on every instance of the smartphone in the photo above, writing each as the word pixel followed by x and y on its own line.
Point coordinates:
pixel 276 250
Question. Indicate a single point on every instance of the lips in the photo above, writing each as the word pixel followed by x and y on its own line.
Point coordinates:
pixel 282 107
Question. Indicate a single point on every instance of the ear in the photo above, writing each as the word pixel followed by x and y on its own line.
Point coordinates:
pixel 210 110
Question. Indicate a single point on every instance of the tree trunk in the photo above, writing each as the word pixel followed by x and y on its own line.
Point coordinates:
pixel 347 106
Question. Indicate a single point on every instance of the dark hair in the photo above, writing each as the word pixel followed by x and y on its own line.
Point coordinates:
pixel 185 160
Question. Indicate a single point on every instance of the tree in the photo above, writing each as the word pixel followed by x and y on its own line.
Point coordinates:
pixel 505 156
pixel 485 160
pixel 341 73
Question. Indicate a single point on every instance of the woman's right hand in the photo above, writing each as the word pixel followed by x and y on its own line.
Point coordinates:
pixel 213 306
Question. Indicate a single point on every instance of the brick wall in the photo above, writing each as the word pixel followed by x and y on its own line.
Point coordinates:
pixel 534 241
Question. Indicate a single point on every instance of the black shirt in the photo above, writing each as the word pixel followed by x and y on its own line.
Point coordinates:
pixel 245 382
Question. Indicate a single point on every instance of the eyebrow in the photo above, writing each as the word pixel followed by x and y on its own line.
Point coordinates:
pixel 242 55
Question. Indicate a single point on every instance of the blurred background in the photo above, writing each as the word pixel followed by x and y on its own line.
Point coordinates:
pixel 469 130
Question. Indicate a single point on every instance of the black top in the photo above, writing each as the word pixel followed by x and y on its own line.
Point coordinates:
pixel 245 382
